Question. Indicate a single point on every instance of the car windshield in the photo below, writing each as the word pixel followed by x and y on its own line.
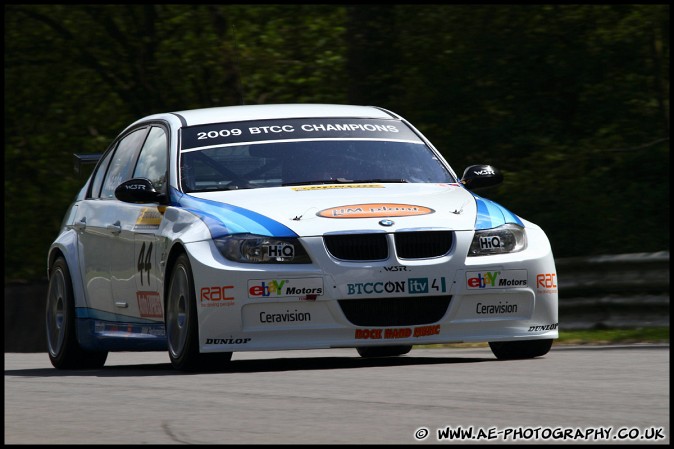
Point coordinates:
pixel 293 161
pixel 309 162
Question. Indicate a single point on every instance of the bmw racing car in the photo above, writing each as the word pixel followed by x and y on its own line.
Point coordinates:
pixel 275 227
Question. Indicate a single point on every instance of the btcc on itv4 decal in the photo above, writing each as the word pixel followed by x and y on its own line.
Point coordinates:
pixel 300 226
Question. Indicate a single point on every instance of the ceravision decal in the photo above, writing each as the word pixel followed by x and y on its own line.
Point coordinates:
pixel 374 210
pixel 410 285
pixel 306 288
pixel 284 317
pixel 149 304
pixel 502 308
pixel 496 279
pixel 396 332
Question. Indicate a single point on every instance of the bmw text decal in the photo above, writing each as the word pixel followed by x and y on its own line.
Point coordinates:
pixel 374 210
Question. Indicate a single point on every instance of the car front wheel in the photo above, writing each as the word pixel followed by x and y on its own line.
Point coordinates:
pixel 64 350
pixel 527 349
pixel 182 324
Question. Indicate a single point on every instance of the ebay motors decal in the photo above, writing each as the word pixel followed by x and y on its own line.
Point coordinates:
pixel 374 210
pixel 496 279
pixel 306 288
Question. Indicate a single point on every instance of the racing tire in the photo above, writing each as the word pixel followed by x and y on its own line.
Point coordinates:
pixel 513 350
pixel 383 351
pixel 64 350
pixel 182 323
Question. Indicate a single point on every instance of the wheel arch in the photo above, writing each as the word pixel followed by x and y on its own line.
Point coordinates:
pixel 174 253
pixel 54 254
pixel 66 246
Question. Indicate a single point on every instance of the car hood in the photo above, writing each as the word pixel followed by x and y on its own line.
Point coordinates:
pixel 322 209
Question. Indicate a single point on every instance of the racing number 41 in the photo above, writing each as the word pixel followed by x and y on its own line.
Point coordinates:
pixel 145 262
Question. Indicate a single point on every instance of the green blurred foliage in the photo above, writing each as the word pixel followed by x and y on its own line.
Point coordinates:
pixel 570 101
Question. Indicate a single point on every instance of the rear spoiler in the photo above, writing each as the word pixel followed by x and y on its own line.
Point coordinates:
pixel 81 159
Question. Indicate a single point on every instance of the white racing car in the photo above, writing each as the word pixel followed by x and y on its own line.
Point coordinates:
pixel 272 227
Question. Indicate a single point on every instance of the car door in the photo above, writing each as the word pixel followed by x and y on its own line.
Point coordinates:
pixel 94 243
pixel 136 276
pixel 99 220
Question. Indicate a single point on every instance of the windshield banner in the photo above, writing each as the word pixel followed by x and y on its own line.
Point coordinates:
pixel 216 134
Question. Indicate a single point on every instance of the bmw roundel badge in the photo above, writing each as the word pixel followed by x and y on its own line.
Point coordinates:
pixel 386 222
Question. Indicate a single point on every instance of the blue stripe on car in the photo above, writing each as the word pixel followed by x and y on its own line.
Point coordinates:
pixel 98 330
pixel 225 219
pixel 492 215
pixel 95 314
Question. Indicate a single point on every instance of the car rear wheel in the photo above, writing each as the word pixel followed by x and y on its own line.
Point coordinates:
pixel 182 324
pixel 64 350
pixel 528 349
pixel 383 351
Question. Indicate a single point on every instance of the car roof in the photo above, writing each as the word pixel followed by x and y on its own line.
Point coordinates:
pixel 278 111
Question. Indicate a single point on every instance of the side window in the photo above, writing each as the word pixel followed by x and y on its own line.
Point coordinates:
pixel 122 162
pixel 100 173
pixel 152 159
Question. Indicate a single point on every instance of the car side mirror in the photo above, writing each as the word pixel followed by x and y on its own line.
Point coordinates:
pixel 481 176
pixel 137 190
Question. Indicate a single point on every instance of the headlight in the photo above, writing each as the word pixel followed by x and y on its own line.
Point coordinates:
pixel 250 248
pixel 508 238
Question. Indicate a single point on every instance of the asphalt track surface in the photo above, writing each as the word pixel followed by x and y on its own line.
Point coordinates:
pixel 573 395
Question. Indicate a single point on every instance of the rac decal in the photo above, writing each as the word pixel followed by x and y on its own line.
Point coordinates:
pixel 215 296
pixel 546 282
